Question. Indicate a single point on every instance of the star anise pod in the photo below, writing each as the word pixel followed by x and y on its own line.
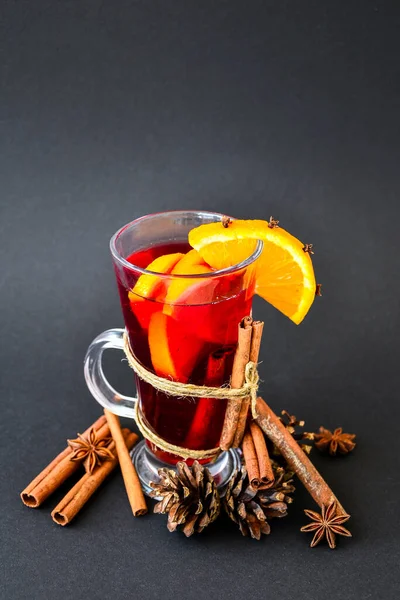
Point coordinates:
pixel 334 442
pixel 327 524
pixel 308 248
pixel 91 451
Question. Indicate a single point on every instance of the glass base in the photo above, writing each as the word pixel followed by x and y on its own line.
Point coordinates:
pixel 147 466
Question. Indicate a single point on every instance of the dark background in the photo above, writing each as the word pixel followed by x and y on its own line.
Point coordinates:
pixel 111 110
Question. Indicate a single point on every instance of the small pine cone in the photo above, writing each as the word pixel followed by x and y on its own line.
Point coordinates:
pixel 189 496
pixel 251 508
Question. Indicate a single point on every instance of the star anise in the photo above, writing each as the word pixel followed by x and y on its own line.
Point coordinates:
pixel 90 450
pixel 326 524
pixel 318 289
pixel 273 223
pixel 308 248
pixel 226 221
pixel 334 442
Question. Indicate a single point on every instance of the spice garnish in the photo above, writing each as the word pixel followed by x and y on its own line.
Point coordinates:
pixel 90 450
pixel 273 223
pixel 334 442
pixel 327 524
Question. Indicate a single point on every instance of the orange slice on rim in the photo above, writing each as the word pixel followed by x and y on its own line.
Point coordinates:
pixel 284 271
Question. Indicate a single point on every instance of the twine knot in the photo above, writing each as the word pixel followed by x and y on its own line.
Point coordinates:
pixel 251 384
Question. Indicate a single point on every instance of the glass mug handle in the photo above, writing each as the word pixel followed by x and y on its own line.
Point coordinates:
pixel 100 388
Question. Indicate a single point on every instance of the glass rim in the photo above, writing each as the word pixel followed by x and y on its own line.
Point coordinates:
pixel 221 272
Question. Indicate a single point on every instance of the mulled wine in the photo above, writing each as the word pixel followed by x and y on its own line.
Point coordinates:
pixel 185 329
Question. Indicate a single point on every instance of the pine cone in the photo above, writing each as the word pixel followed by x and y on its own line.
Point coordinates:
pixel 251 508
pixel 189 496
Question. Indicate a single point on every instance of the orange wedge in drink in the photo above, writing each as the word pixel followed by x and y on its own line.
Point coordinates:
pixel 150 287
pixel 147 286
pixel 191 259
pixel 284 272
pixel 181 289
pixel 173 356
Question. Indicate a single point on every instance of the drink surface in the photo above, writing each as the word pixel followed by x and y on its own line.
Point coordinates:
pixel 190 339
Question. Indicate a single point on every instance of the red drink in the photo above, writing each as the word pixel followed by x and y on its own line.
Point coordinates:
pixel 190 338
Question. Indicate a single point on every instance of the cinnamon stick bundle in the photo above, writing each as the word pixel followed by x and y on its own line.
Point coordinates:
pixel 250 458
pixel 58 470
pixel 297 460
pixel 242 357
pixel 77 497
pixel 132 482
pixel 264 462
pixel 257 330
pixel 256 457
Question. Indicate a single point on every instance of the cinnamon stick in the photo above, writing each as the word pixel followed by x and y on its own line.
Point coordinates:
pixel 264 462
pixel 242 357
pixel 77 497
pixel 250 458
pixel 58 470
pixel 257 330
pixel 297 460
pixel 131 479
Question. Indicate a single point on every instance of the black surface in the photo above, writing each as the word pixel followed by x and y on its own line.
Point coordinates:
pixel 113 110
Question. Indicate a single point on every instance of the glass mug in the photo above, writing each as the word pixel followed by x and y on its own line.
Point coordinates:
pixel 183 327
